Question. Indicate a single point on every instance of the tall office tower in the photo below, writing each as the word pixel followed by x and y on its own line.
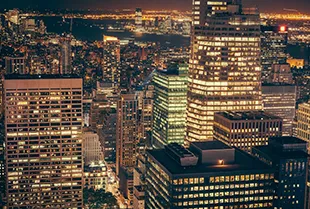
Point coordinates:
pixel 208 175
pixel 224 69
pixel 127 127
pixel 65 56
pixel 43 125
pixel 170 99
pixel 111 59
pixel 15 65
pixel 138 19
pixel 246 129
pixel 303 122
pixel 273 48
pixel 92 151
pixel 281 73
pixel 288 156
pixel 280 100
pixel 127 131
pixel 107 136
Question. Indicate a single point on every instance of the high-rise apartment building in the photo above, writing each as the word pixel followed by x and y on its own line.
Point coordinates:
pixel 111 59
pixel 170 99
pixel 280 100
pixel 43 126
pixel 246 129
pixel 288 156
pixel 224 67
pixel 15 65
pixel 273 47
pixel 207 175
pixel 65 56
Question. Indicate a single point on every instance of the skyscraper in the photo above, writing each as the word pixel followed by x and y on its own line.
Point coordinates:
pixel 111 59
pixel 207 175
pixel 280 100
pixel 127 127
pixel 224 68
pixel 288 156
pixel 273 47
pixel 43 125
pixel 170 97
pixel 65 56
pixel 127 131
pixel 246 129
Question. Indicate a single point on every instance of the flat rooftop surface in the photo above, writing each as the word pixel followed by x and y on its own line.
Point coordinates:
pixel 247 163
pixel 43 76
pixel 211 145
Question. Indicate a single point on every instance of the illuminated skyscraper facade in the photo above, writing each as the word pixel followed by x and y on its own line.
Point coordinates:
pixel 43 125
pixel 280 100
pixel 111 59
pixel 224 69
pixel 170 100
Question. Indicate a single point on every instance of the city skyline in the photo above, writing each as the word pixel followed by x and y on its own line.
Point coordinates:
pixel 301 6
pixel 154 104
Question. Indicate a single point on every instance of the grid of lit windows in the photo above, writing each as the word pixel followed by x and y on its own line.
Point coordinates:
pixel 43 119
pixel 170 99
pixel 224 69
pixel 228 190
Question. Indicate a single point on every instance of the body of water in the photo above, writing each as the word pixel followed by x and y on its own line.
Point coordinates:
pixel 93 30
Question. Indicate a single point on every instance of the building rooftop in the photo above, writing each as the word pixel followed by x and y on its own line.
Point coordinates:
pixel 210 145
pixel 43 76
pixel 242 161
pixel 250 115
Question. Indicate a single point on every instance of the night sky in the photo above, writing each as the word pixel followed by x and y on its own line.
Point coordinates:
pixel 264 5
